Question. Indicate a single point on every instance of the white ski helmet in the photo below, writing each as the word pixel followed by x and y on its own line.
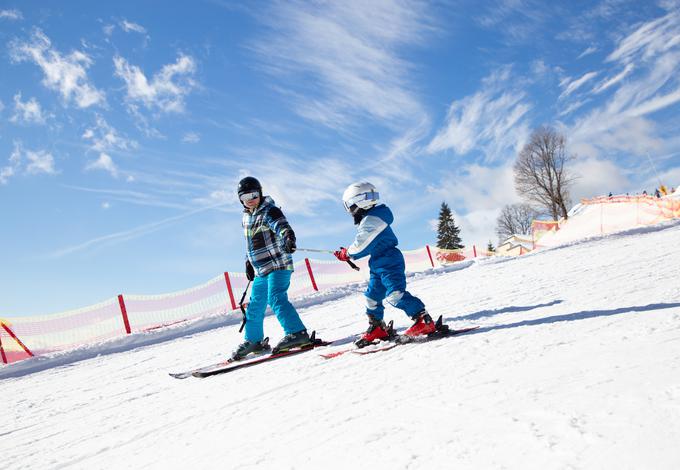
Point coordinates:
pixel 361 195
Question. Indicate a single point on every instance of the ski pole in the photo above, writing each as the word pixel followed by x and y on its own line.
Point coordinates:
pixel 314 250
pixel 243 310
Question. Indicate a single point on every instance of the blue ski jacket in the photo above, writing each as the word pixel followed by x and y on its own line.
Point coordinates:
pixel 374 235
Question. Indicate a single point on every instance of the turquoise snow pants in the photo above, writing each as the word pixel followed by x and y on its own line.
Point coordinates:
pixel 271 290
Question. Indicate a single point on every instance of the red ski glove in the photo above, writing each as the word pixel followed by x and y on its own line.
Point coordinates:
pixel 341 254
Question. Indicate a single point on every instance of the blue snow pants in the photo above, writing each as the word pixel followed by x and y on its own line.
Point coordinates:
pixel 271 290
pixel 388 281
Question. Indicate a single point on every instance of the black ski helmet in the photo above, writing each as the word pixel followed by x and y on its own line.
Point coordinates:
pixel 249 184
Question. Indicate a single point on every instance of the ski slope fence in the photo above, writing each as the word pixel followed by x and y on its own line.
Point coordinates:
pixel 23 337
pixel 604 215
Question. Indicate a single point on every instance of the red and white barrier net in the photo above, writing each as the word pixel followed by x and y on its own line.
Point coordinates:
pixel 605 215
pixel 23 337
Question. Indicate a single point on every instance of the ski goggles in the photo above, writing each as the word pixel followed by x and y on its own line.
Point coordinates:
pixel 245 197
pixel 354 201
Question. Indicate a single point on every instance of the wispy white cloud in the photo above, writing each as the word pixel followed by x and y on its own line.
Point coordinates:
pixel 28 111
pixel 125 235
pixel 517 20
pixel 600 19
pixel 129 27
pixel 166 91
pixel 29 162
pixel 649 40
pixel 104 138
pixel 351 51
pixel 302 186
pixel 609 82
pixel 64 74
pixel 571 107
pixel 191 138
pixel 8 171
pixel 13 14
pixel 669 5
pixel 105 163
pixel 624 123
pixel 573 85
pixel 586 52
pixel 39 162
pixel 493 120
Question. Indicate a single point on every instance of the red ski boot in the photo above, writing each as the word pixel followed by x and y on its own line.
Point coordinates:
pixel 423 325
pixel 377 331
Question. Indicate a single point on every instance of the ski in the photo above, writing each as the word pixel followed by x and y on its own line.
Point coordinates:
pixel 230 365
pixel 442 332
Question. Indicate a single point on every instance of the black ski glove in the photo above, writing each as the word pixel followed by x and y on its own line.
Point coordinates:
pixel 250 272
pixel 289 245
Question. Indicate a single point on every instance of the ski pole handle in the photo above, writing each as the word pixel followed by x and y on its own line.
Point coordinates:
pixel 314 250
pixel 352 265
pixel 243 310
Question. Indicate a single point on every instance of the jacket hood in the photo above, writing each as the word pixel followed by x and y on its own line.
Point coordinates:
pixel 383 212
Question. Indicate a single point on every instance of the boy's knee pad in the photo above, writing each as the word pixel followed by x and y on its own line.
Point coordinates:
pixel 371 304
pixel 395 297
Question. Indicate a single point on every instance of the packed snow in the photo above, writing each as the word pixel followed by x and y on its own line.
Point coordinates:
pixel 576 364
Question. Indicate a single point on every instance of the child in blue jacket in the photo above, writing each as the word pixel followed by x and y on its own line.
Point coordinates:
pixel 376 239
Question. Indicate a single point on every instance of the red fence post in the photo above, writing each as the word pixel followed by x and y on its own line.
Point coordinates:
pixel 474 250
pixel 231 292
pixel 2 352
pixel 429 254
pixel 11 333
pixel 311 274
pixel 123 311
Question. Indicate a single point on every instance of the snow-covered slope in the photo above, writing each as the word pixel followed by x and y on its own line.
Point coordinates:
pixel 576 365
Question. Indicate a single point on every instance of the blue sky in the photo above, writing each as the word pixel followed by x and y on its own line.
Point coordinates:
pixel 125 127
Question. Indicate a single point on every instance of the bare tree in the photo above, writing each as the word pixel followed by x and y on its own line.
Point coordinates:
pixel 541 175
pixel 515 218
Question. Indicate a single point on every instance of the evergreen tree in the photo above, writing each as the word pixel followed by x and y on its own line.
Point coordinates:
pixel 447 233
pixel 490 248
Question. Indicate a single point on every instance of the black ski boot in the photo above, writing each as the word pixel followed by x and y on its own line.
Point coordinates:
pixel 248 347
pixel 293 340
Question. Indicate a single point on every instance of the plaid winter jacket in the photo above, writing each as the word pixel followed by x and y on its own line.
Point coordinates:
pixel 265 230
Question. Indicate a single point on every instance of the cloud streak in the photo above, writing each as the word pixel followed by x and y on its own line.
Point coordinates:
pixel 27 112
pixel 572 86
pixel 125 235
pixel 493 121
pixel 13 14
pixel 350 50
pixel 66 74
pixel 648 83
pixel 28 162
pixel 165 91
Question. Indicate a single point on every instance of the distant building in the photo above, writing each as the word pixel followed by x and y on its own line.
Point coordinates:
pixel 515 245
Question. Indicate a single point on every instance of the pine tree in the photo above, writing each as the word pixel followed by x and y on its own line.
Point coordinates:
pixel 447 233
pixel 490 248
